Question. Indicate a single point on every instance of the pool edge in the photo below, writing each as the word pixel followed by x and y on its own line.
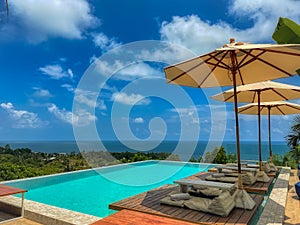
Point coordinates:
pixel 47 214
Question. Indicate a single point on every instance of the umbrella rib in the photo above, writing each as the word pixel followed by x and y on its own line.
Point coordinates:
pixel 185 72
pixel 253 99
pixel 281 52
pixel 282 96
pixel 239 72
pixel 270 64
pixel 215 66
pixel 250 60
pixel 192 68
pixel 280 110
pixel 225 66
pixel 294 107
pixel 246 108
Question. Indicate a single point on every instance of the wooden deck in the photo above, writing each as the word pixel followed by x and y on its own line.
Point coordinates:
pixel 149 202
pixel 257 187
pixel 129 217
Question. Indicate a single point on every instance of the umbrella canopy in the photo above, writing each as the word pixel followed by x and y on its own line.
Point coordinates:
pixel 264 91
pixel 249 63
pixel 270 108
pixel 260 92
pixel 234 64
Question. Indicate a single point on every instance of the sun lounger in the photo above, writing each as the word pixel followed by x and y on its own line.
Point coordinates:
pixel 235 168
pixel 249 165
pixel 247 178
pixel 185 183
pixel 217 201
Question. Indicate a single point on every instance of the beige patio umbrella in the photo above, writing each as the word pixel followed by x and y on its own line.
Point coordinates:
pixel 260 92
pixel 270 108
pixel 235 64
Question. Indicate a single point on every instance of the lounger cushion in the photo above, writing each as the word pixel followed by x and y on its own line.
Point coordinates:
pixel 180 196
pixel 223 204
pixel 227 171
pixel 226 179
pixel 197 203
pixel 266 167
pixel 207 191
pixel 218 175
pixel 168 201
pixel 248 178
pixel 273 168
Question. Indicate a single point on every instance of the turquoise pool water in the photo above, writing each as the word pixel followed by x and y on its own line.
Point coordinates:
pixel 91 191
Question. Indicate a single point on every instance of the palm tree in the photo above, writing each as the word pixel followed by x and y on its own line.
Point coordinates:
pixel 293 139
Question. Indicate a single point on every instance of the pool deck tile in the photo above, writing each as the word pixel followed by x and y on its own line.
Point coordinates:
pixel 292 208
pixel 46 214
pixel 274 210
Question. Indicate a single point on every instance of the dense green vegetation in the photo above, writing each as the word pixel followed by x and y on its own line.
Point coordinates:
pixel 23 162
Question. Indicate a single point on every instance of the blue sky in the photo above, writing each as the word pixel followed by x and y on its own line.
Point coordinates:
pixel 54 86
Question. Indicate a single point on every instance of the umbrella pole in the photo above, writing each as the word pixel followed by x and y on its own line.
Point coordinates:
pixel 240 182
pixel 243 199
pixel 269 123
pixel 259 133
pixel 262 176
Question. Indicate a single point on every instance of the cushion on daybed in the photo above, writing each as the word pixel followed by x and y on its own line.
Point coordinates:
pixel 167 201
pixel 180 196
pixel 266 167
pixel 223 204
pixel 220 205
pixel 216 175
pixel 198 203
pixel 199 190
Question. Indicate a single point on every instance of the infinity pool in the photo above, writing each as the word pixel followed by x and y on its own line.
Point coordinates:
pixel 91 191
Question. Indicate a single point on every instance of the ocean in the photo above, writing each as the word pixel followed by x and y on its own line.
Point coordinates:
pixel 249 149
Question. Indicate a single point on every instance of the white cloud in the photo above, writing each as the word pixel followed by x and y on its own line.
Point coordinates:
pixel 123 71
pixel 82 118
pixel 22 118
pixel 89 98
pixel 131 99
pixel 104 42
pixel 138 70
pixel 56 72
pixel 68 87
pixel 40 20
pixel 42 93
pixel 138 120
pixel 203 36
pixel 70 72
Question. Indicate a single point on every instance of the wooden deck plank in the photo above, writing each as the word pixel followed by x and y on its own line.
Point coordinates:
pixel 126 217
pixel 150 203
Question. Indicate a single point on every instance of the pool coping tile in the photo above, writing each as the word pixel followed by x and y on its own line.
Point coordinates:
pixel 47 214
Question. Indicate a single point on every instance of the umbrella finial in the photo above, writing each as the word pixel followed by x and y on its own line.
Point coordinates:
pixel 232 40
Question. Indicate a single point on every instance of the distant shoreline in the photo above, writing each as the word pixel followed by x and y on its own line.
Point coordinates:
pixel 248 148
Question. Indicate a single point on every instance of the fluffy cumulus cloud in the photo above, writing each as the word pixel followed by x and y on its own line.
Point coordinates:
pixel 40 20
pixel 138 120
pixel 126 71
pixel 42 93
pixel 104 42
pixel 81 118
pixel 56 72
pixel 130 99
pixel 202 36
pixel 69 87
pixel 22 118
pixel 89 98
